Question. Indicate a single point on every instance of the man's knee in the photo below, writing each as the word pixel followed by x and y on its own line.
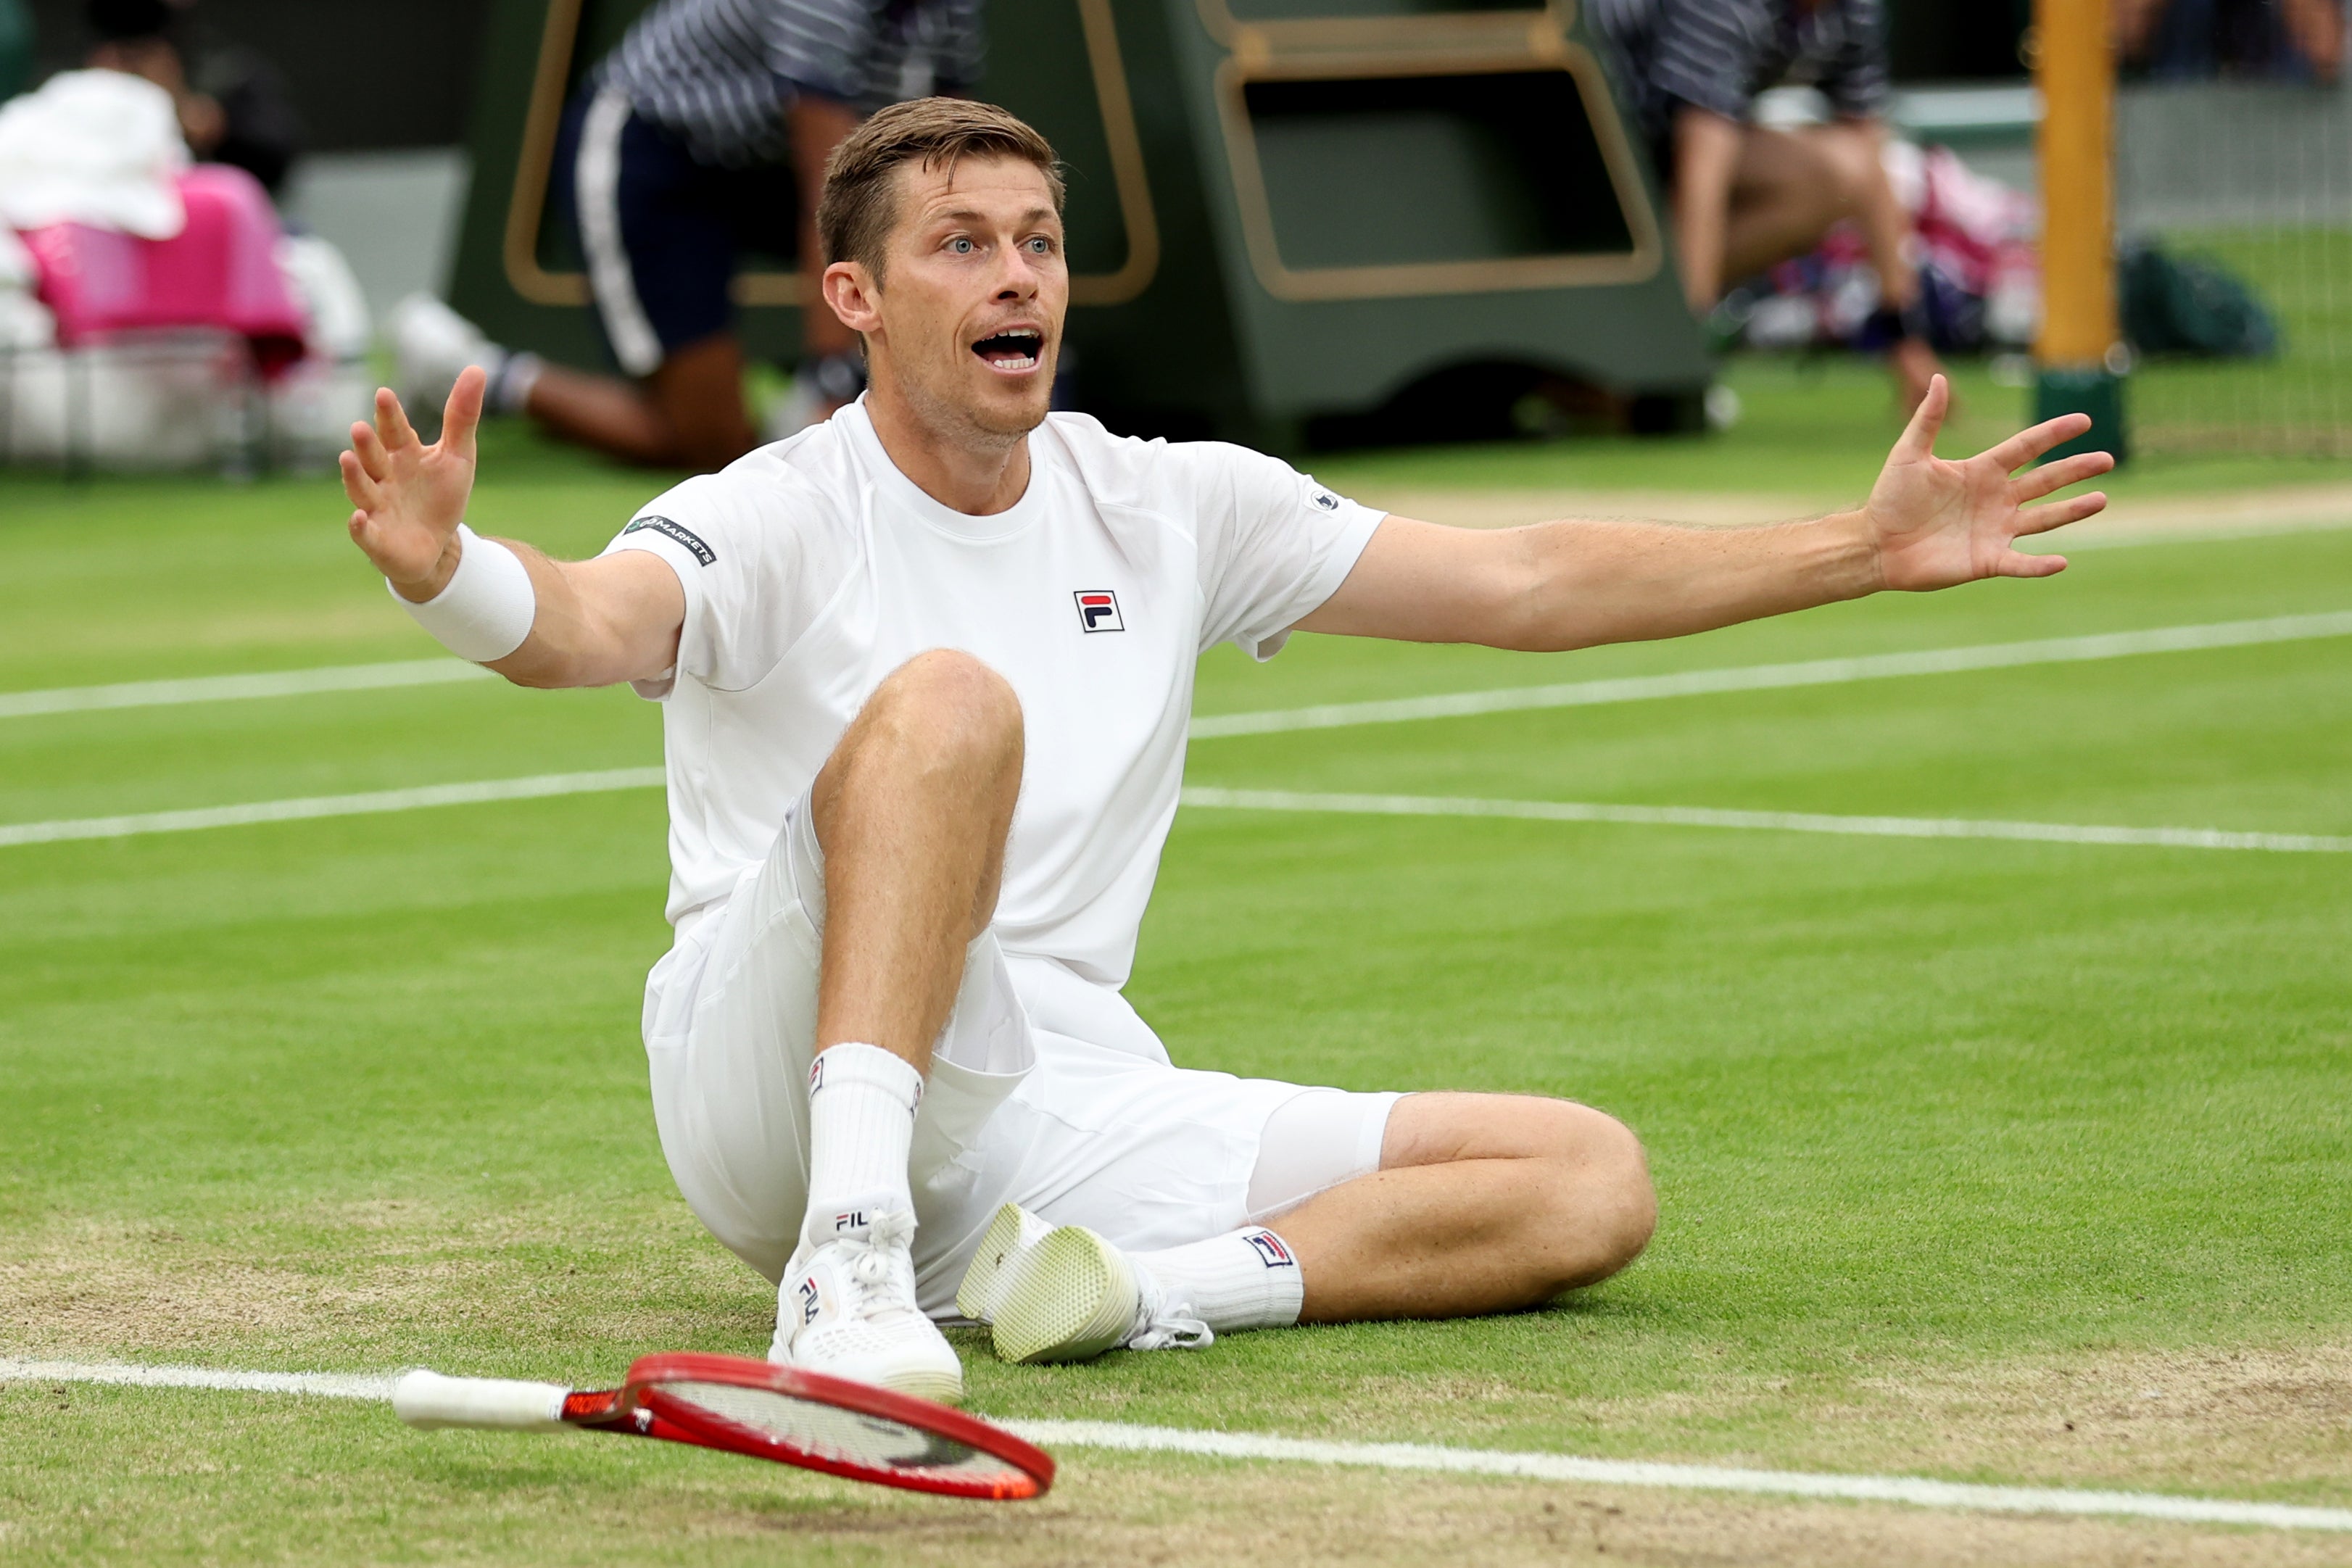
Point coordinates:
pixel 1602 1193
pixel 1631 1199
pixel 951 709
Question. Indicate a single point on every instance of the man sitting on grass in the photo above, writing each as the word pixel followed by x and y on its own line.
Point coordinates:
pixel 926 671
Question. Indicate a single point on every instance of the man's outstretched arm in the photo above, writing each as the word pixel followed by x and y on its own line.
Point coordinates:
pixel 1929 524
pixel 580 623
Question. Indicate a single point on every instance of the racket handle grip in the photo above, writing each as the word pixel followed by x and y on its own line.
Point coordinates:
pixel 428 1400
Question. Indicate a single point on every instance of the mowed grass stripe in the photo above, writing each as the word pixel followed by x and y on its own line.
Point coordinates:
pixel 1915 1491
pixel 541 785
pixel 1329 715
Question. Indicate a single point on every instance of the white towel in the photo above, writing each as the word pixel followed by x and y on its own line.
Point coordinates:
pixel 93 147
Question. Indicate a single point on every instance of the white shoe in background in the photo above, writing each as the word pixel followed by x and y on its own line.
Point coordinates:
pixel 847 1308
pixel 431 344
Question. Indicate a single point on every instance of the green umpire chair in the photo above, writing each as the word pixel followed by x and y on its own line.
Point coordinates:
pixel 1288 219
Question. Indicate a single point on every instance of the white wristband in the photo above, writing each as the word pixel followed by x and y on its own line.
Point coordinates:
pixel 486 608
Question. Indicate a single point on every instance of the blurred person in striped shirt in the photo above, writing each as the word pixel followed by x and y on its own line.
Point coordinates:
pixel 702 136
pixel 1744 196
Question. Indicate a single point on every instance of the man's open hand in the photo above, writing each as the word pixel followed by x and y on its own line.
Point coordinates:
pixel 1938 523
pixel 411 497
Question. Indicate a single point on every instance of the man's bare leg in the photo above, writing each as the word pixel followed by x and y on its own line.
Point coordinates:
pixel 1789 186
pixel 1483 1203
pixel 912 811
pixel 688 413
pixel 1786 192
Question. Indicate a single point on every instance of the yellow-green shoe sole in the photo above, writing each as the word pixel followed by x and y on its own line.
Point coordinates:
pixel 1070 1298
pixel 976 1296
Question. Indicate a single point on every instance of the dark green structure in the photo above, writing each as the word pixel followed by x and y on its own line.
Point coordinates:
pixel 15 47
pixel 1281 211
pixel 2097 391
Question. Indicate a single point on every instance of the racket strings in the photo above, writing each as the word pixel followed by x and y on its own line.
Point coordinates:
pixel 833 1433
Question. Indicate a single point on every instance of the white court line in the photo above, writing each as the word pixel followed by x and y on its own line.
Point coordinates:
pixel 327 1384
pixel 315 806
pixel 231 688
pixel 1912 1489
pixel 1775 821
pixel 1767 677
pixel 545 785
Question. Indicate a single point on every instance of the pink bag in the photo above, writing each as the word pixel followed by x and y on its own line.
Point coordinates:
pixel 221 270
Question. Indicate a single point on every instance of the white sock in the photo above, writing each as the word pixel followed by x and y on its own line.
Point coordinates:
pixel 862 1104
pixel 1245 1279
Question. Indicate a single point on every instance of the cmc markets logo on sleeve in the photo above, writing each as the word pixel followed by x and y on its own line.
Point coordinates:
pixel 1327 501
pixel 685 535
pixel 1098 609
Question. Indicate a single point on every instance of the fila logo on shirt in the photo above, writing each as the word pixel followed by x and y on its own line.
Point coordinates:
pixel 1270 1249
pixel 1098 609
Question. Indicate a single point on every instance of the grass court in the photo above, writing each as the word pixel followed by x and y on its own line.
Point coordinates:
pixel 1997 1161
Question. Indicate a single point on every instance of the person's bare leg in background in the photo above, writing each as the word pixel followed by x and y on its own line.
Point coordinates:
pixel 1747 197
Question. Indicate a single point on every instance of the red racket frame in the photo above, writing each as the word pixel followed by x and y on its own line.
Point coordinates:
pixel 640 1407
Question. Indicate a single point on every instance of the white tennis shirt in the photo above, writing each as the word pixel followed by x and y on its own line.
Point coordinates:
pixel 814 568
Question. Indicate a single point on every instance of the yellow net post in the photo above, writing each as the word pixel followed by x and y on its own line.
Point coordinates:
pixel 2079 354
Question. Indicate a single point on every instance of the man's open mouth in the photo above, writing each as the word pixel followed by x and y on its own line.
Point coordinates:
pixel 1015 349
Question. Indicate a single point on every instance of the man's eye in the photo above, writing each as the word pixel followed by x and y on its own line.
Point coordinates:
pixel 1041 246
pixel 960 245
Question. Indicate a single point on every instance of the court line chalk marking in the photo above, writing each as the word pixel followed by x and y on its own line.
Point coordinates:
pixel 546 785
pixel 1775 677
pixel 1777 821
pixel 232 688
pixel 1329 715
pixel 1915 1491
pixel 326 1385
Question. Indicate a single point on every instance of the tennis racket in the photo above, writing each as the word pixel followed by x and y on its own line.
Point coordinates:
pixel 752 1407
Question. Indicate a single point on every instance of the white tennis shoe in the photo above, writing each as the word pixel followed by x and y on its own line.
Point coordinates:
pixel 1060 1293
pixel 847 1308
pixel 431 345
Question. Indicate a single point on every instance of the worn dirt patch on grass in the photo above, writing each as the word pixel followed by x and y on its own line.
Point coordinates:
pixel 2223 1420
pixel 407 1273
pixel 1113 1511
pixel 2232 1417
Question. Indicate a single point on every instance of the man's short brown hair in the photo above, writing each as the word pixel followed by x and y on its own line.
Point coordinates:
pixel 854 214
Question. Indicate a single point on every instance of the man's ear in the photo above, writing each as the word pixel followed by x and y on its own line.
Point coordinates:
pixel 850 289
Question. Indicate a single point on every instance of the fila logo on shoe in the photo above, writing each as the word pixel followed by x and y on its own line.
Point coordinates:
pixel 1098 609
pixel 850 1221
pixel 807 1291
pixel 1271 1251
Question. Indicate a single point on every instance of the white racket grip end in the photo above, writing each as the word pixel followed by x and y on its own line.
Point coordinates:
pixel 428 1400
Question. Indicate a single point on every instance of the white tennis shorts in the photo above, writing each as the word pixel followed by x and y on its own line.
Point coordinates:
pixel 1045 1090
